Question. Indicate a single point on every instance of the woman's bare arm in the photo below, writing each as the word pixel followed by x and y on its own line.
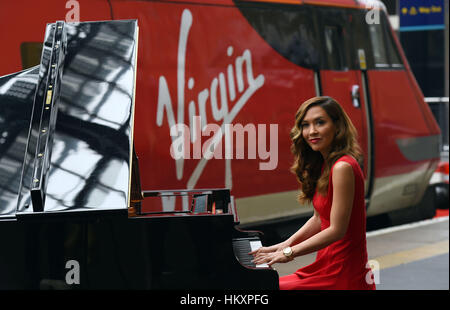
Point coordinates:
pixel 341 209
pixel 309 229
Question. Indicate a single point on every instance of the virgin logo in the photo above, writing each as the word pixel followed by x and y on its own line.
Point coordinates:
pixel 230 87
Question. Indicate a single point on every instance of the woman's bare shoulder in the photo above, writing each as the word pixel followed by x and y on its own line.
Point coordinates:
pixel 343 168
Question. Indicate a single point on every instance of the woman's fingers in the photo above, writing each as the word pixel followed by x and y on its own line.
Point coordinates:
pixel 275 259
pixel 271 258
pixel 257 259
pixel 262 258
pixel 260 250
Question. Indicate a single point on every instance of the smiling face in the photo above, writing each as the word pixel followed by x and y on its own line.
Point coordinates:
pixel 318 130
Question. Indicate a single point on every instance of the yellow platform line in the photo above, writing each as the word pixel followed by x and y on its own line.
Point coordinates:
pixel 403 257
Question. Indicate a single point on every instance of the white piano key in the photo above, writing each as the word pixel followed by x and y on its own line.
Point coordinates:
pixel 254 245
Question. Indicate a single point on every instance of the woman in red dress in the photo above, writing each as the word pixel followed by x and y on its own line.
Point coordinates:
pixel 326 165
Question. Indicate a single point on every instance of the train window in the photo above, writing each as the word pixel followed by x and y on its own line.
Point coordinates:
pixel 378 46
pixel 394 57
pixel 31 54
pixel 334 46
pixel 286 29
pixel 362 59
pixel 335 37
pixel 384 50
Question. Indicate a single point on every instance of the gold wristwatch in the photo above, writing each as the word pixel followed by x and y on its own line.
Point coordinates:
pixel 288 252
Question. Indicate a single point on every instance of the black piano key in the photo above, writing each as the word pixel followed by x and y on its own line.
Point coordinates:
pixel 241 249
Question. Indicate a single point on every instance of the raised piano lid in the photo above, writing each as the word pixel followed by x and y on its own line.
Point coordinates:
pixel 79 137
pixel 16 102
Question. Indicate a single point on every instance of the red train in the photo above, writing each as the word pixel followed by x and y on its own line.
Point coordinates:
pixel 251 63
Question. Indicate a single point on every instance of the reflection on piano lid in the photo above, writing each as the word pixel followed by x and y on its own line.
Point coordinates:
pixel 65 125
pixel 16 102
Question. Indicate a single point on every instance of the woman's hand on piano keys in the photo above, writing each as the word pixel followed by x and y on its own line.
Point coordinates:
pixel 270 255
pixel 271 258
pixel 274 248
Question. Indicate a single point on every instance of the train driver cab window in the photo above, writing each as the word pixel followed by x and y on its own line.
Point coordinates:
pixel 385 53
pixel 288 30
pixel 378 46
pixel 394 57
pixel 335 47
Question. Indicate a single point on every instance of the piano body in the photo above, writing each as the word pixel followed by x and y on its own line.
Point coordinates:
pixel 73 214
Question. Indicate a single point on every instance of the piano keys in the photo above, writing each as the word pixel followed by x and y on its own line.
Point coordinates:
pixel 243 246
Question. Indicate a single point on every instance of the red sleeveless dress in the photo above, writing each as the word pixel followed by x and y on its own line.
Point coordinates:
pixel 343 264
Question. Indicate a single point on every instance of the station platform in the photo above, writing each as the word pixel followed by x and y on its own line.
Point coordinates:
pixel 412 256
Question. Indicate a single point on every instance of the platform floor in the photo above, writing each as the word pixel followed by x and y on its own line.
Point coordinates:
pixel 406 257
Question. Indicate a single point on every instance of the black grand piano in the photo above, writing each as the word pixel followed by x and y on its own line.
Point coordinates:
pixel 71 202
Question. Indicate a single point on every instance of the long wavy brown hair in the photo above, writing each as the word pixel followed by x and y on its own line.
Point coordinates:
pixel 308 163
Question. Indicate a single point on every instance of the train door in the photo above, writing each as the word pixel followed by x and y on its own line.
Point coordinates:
pixel 406 139
pixel 341 74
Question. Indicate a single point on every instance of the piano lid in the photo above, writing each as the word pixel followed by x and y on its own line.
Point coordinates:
pixel 66 126
pixel 16 102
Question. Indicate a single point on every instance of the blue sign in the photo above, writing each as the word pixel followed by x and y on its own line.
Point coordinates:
pixel 421 15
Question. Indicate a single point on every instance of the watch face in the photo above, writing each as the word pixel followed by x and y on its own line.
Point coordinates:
pixel 287 251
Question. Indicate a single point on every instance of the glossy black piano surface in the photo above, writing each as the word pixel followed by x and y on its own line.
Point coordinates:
pixel 16 101
pixel 70 188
